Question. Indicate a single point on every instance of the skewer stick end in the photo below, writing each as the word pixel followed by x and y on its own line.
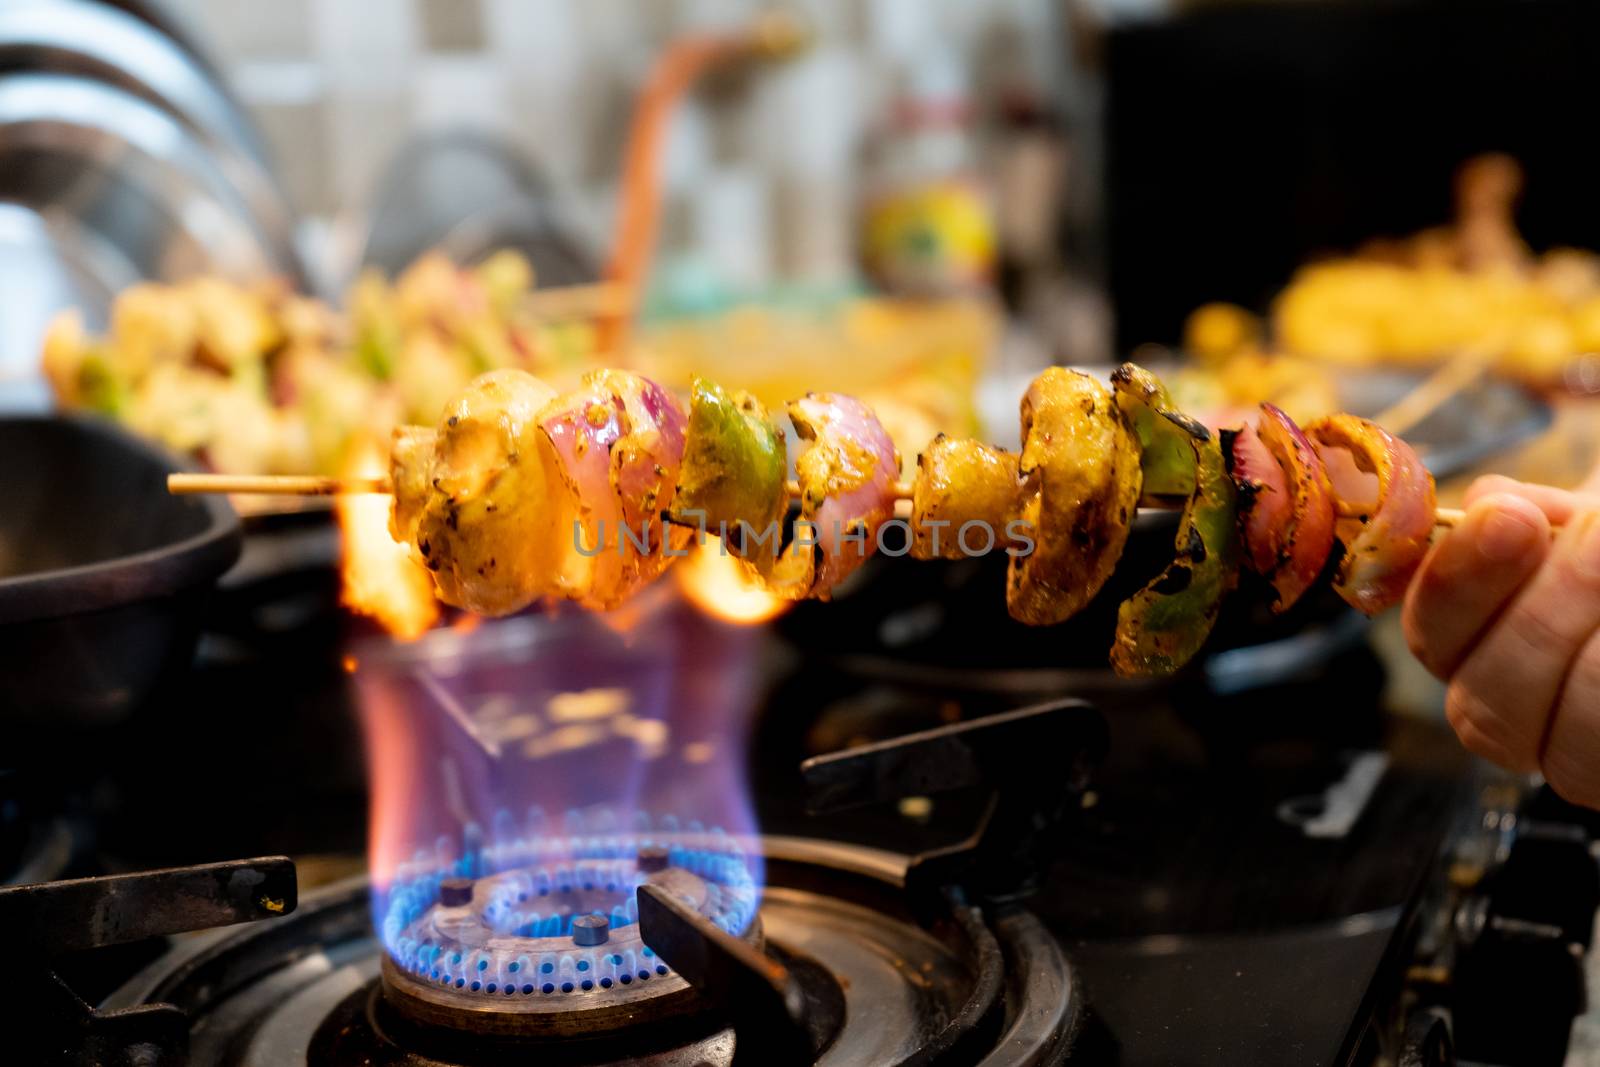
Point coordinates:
pixel 185 483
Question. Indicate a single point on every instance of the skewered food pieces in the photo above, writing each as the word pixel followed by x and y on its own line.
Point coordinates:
pixel 1285 504
pixel 1081 478
pixel 479 498
pixel 1162 626
pixel 520 493
pixel 961 481
pixel 847 491
pixel 732 478
pixel 1381 481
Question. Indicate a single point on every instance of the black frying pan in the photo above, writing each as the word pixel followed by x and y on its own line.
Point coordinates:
pixel 102 573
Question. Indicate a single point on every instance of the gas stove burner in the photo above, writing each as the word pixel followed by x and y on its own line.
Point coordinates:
pixel 545 939
pixel 879 984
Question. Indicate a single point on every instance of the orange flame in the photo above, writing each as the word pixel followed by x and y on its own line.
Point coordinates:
pixel 393 754
pixel 380 578
pixel 722 587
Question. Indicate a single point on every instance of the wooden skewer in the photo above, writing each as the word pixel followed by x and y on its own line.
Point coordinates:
pixel 321 485
pixel 275 484
pixel 1427 396
pixel 315 485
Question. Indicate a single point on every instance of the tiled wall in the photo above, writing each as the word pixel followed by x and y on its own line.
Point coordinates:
pixel 760 185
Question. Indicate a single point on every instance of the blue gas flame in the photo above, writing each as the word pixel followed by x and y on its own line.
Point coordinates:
pixel 538 884
pixel 528 753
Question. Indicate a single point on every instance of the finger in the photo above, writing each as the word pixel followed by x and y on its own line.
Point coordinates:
pixel 1571 762
pixel 1469 575
pixel 1558 505
pixel 1507 686
pixel 1464 710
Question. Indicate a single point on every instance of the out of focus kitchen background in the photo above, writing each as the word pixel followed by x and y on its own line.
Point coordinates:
pixel 760 182
pixel 1107 167
pixel 260 235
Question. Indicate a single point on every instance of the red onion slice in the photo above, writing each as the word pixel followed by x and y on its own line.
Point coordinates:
pixel 847 477
pixel 618 441
pixel 1265 508
pixel 645 460
pixel 1286 504
pixel 1384 546
pixel 1309 539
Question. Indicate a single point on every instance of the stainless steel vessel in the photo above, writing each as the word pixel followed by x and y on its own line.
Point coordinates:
pixel 106 189
pixel 122 158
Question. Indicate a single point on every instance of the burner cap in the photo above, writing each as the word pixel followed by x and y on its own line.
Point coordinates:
pixel 590 930
pixel 454 892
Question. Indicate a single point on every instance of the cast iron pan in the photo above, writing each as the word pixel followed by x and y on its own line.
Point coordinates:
pixel 102 573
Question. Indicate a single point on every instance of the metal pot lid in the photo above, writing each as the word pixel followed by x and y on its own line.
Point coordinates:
pixel 93 40
pixel 128 172
pixel 90 40
pixel 162 16
pixel 470 194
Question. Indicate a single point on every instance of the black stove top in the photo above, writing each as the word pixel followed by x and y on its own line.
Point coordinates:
pixel 1245 872
pixel 1270 873
pixel 873 985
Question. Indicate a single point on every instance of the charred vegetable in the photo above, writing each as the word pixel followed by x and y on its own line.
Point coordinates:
pixel 411 473
pixel 488 520
pixel 1380 478
pixel 618 443
pixel 1166 456
pixel 1162 626
pixel 1080 471
pixel 1285 504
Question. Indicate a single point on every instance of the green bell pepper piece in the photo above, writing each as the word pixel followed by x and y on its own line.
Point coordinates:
pixel 1162 626
pixel 734 468
pixel 1165 454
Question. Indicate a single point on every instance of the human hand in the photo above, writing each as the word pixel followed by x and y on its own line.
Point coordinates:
pixel 1509 617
